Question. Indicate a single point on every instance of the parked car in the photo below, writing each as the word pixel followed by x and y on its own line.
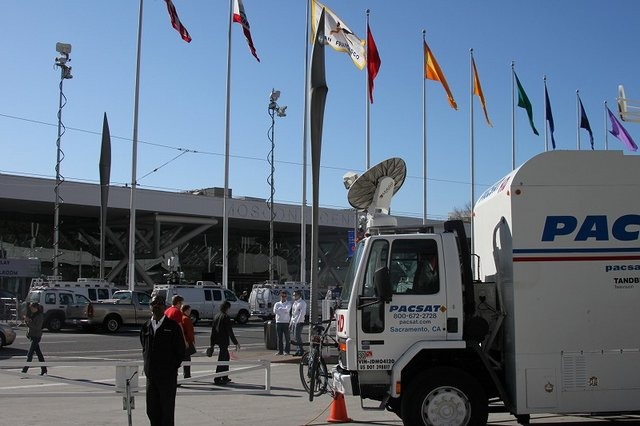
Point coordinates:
pixel 59 306
pixel 124 308
pixel 7 335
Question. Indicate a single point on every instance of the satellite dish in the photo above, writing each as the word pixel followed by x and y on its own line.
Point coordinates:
pixel 622 102
pixel 374 190
pixel 628 109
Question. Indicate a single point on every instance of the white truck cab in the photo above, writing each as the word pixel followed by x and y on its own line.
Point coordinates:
pixel 547 325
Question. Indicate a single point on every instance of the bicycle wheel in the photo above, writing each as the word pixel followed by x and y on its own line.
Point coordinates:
pixel 313 377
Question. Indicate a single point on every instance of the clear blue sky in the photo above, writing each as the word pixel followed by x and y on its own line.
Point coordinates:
pixel 590 45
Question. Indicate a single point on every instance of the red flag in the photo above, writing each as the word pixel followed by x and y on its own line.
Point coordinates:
pixel 373 61
pixel 175 22
pixel 240 17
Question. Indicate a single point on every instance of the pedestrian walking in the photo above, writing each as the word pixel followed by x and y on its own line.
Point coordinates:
pixel 221 333
pixel 34 320
pixel 282 311
pixel 175 310
pixel 163 350
pixel 298 312
pixel 189 338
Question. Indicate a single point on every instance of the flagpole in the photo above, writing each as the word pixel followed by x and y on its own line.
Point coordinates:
pixel 471 150
pixel 305 118
pixel 134 160
pixel 513 117
pixel 367 109
pixel 424 133
pixel 606 135
pixel 578 119
pixel 225 214
pixel 546 119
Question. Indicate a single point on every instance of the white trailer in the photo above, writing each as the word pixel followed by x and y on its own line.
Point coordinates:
pixel 548 325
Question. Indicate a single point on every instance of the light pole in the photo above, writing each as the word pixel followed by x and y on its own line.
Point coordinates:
pixel 64 50
pixel 274 109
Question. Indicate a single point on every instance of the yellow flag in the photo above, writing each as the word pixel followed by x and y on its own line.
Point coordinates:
pixel 477 90
pixel 432 71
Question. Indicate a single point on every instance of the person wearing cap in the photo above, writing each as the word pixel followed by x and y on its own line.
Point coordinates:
pixel 298 311
pixel 282 311
pixel 163 351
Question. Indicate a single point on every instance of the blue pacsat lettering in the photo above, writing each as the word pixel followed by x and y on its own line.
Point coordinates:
pixel 414 308
pixel 596 227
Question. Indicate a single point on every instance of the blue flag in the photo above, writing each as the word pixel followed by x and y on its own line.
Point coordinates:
pixel 584 121
pixel 549 115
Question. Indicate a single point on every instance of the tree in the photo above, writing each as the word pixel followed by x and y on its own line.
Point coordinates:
pixel 461 213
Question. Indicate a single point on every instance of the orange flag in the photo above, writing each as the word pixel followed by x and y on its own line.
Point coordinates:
pixel 432 71
pixel 477 90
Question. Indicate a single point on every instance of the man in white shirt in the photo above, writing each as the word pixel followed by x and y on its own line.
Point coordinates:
pixel 298 311
pixel 282 311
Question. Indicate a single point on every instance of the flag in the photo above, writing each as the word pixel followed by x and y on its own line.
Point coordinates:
pixel 240 17
pixel 432 71
pixel 523 102
pixel 337 34
pixel 584 121
pixel 477 90
pixel 620 132
pixel 547 106
pixel 373 61
pixel 175 22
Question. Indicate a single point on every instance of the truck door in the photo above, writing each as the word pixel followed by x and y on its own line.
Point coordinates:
pixel 417 308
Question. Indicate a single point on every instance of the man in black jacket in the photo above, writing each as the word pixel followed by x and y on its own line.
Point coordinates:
pixel 221 332
pixel 163 349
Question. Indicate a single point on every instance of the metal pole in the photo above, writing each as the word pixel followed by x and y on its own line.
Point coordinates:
pixel 303 208
pixel 134 161
pixel 272 187
pixel 471 151
pixel 513 118
pixel 225 214
pixel 424 134
pixel 65 73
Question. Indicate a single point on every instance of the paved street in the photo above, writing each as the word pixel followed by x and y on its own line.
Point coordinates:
pixel 287 404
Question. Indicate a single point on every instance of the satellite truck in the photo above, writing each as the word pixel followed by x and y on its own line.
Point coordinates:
pixel 547 322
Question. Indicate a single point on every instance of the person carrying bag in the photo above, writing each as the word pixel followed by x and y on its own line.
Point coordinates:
pixel 221 333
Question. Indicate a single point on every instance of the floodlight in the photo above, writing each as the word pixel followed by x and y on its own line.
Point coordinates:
pixel 275 94
pixel 63 48
pixel 281 111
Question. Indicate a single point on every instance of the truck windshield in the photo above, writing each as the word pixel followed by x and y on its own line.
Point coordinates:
pixel 351 274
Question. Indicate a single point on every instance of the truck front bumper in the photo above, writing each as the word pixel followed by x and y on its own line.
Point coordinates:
pixel 345 381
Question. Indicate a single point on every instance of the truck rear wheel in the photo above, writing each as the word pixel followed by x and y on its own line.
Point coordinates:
pixel 112 323
pixel 444 396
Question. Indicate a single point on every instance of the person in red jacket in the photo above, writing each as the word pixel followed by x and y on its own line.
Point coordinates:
pixel 189 338
pixel 174 311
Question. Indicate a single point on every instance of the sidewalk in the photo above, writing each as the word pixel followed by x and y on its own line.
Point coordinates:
pixel 287 404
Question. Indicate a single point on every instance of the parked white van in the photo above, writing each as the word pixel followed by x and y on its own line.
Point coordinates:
pixel 264 295
pixel 205 298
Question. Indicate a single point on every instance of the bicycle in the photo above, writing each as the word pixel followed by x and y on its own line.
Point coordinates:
pixel 313 369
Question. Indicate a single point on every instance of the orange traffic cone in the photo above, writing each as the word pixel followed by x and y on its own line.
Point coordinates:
pixel 338 412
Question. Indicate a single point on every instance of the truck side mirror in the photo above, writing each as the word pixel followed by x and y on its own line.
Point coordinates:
pixel 382 284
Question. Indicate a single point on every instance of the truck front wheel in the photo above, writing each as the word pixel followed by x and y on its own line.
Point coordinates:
pixel 444 396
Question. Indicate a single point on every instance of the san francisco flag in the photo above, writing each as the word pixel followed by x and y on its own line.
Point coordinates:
pixel 432 71
pixel 175 22
pixel 337 34
pixel 241 18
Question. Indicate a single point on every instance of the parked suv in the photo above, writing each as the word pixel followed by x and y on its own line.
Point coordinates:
pixel 59 306
pixel 205 299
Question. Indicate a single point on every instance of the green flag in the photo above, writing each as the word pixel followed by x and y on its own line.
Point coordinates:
pixel 523 102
